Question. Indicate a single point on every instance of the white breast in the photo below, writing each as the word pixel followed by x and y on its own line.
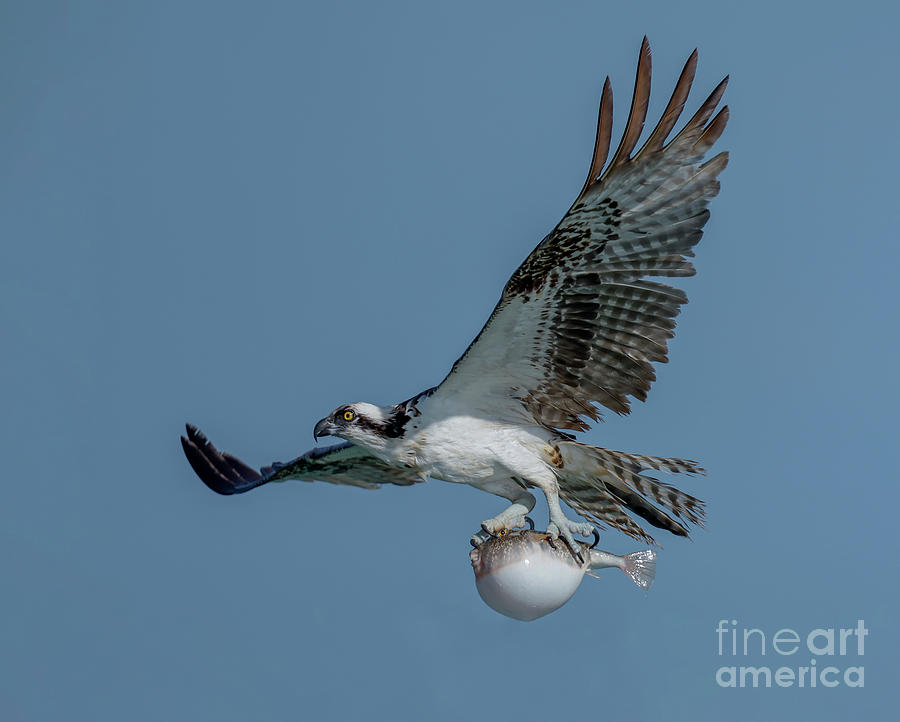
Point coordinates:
pixel 461 448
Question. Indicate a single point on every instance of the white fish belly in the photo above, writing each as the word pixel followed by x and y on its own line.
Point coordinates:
pixel 530 587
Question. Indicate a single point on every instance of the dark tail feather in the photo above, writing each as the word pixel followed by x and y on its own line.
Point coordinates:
pixel 600 484
pixel 594 502
pixel 657 517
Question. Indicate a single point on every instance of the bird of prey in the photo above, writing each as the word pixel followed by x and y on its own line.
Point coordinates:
pixel 579 325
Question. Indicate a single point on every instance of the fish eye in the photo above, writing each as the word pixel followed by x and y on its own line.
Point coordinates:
pixel 348 415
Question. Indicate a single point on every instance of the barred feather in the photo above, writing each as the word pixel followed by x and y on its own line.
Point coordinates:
pixel 580 319
pixel 600 484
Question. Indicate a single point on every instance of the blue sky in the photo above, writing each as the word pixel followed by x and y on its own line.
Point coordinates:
pixel 244 215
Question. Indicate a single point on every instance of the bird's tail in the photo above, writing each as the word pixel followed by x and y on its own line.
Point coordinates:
pixel 601 484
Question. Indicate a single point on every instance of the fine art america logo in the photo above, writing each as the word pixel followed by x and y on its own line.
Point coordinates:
pixel 834 656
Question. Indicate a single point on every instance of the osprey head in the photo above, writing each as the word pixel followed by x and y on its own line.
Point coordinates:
pixel 364 424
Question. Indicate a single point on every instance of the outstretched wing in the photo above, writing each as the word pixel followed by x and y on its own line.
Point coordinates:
pixel 338 464
pixel 578 323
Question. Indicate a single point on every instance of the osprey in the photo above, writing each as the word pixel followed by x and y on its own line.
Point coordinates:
pixel 578 325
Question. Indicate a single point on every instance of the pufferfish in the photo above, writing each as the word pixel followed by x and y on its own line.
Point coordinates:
pixel 525 575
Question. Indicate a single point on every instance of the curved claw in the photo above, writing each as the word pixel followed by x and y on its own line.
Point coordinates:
pixel 571 544
pixel 530 522
pixel 565 530
pixel 596 539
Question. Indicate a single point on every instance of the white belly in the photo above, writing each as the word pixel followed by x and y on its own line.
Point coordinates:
pixel 471 450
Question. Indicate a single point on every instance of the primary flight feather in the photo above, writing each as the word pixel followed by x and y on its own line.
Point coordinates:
pixel 578 325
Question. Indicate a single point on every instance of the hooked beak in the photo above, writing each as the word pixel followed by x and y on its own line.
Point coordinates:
pixel 323 428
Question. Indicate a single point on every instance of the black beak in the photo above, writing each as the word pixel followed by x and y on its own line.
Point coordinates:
pixel 323 428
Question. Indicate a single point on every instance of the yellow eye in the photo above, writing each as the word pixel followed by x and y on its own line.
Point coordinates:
pixel 503 532
pixel 348 416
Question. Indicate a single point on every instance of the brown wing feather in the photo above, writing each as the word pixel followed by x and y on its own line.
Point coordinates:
pixel 580 322
pixel 673 110
pixel 638 113
pixel 604 136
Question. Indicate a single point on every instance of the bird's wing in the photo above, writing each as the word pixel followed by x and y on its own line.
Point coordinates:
pixel 578 323
pixel 339 464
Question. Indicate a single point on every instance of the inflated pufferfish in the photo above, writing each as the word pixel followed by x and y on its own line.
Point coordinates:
pixel 525 575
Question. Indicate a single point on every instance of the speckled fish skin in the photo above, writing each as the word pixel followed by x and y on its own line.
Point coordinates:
pixel 501 551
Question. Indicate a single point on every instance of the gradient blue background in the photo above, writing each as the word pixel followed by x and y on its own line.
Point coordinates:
pixel 244 215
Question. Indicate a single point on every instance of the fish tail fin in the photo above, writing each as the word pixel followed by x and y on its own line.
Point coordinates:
pixel 641 567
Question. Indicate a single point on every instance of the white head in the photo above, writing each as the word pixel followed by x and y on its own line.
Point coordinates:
pixel 364 424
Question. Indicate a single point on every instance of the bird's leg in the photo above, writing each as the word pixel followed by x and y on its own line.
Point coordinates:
pixel 560 525
pixel 513 517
